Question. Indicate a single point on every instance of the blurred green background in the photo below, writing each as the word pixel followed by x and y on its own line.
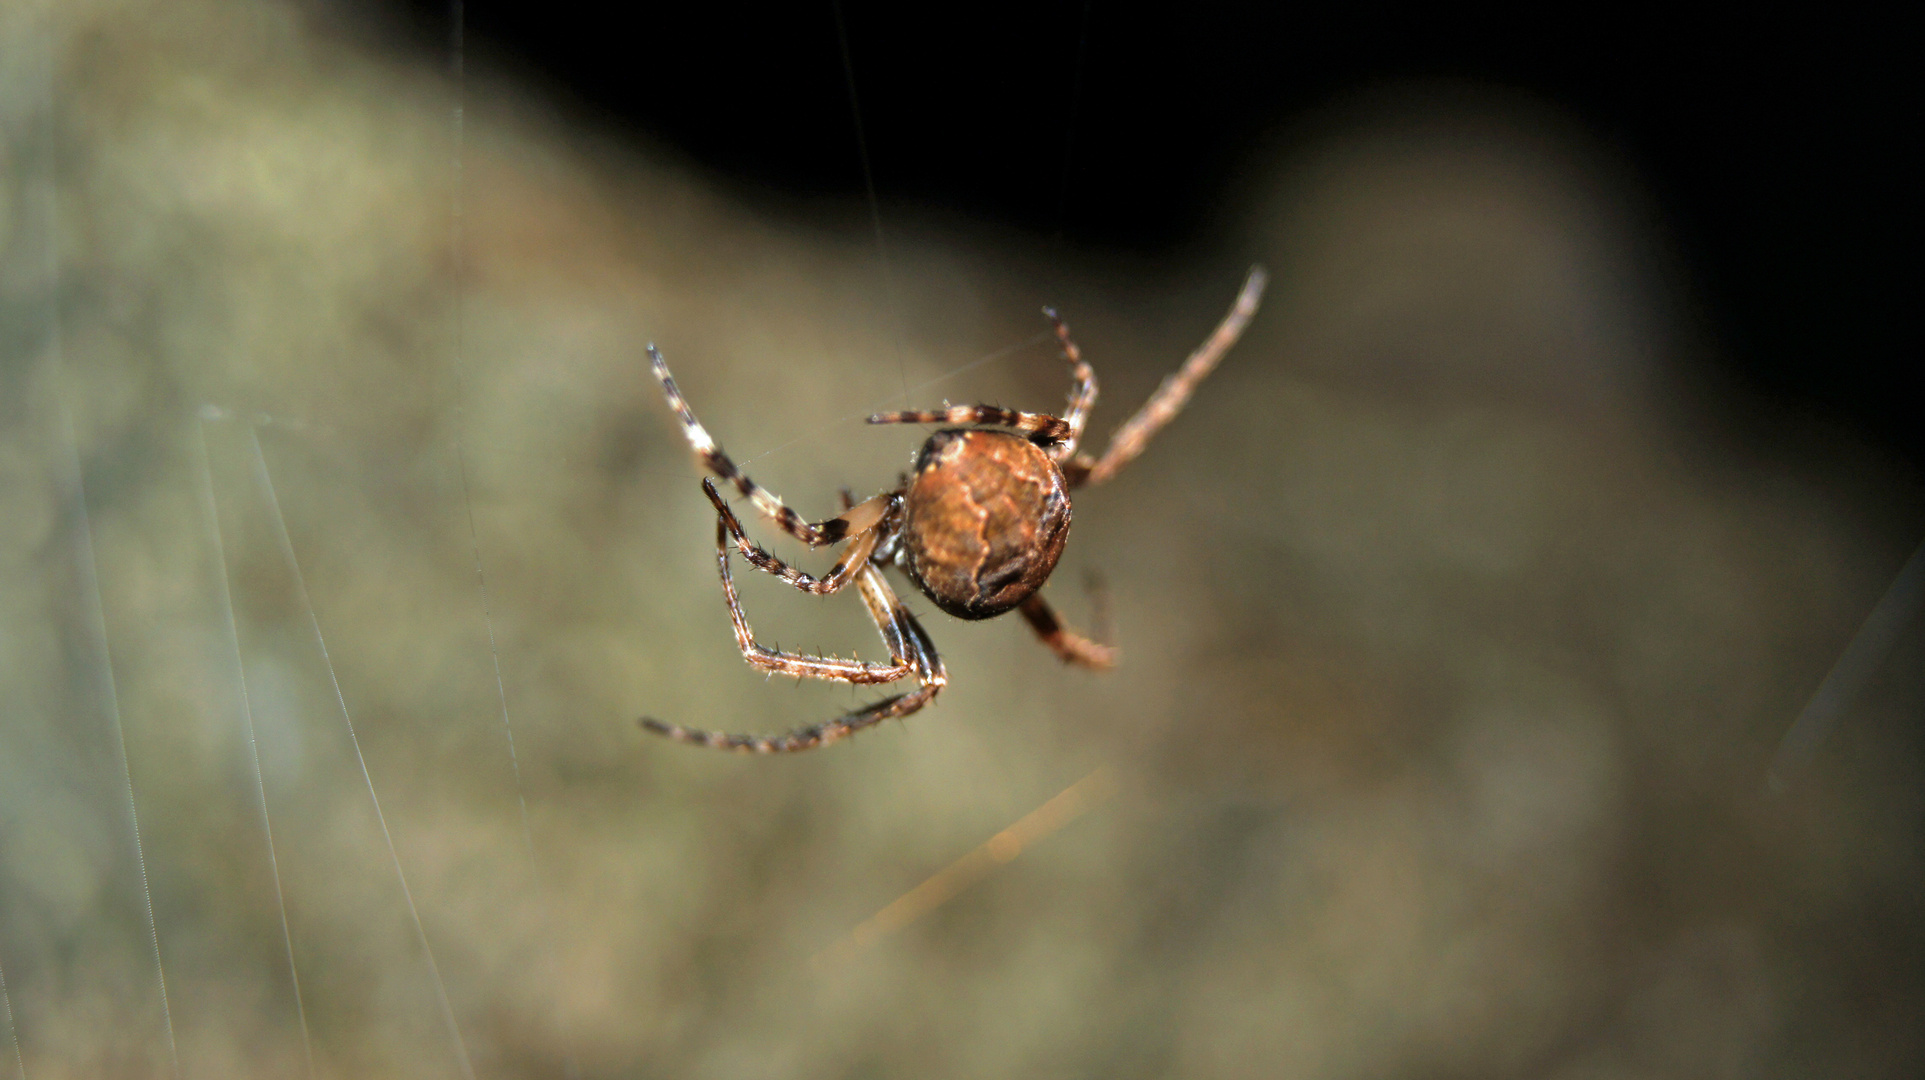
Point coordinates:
pixel 1457 633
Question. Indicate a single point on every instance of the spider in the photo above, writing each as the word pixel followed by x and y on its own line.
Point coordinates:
pixel 978 528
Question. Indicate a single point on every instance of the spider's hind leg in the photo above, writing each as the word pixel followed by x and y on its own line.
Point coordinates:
pixel 807 738
pixel 1068 645
pixel 800 665
pixel 907 641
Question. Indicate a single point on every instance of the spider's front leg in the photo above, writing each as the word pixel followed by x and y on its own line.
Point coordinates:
pixel 837 528
pixel 1058 434
pixel 1040 427
pixel 1169 399
pixel 1082 388
pixel 839 575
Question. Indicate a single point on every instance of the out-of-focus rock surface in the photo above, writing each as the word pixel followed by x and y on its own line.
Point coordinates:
pixel 1457 632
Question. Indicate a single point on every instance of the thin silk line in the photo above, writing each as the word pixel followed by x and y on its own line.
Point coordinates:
pixel 394 858
pixel 212 507
pixel 89 564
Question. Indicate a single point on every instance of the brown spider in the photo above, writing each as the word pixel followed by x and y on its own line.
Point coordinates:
pixel 978 529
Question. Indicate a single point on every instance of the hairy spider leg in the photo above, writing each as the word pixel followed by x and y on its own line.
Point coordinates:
pixel 1082 389
pixel 1068 645
pixel 803 665
pixel 839 575
pixel 1169 399
pixel 815 535
pixel 870 511
pixel 910 648
pixel 1042 428
pixel 908 643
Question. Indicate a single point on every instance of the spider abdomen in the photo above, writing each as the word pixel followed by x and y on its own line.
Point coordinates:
pixel 985 520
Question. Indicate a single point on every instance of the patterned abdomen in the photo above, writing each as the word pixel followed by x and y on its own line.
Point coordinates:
pixel 984 522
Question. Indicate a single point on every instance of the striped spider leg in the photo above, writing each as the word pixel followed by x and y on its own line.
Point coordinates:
pixel 864 525
pixel 910 650
pixel 1170 397
pixel 978 527
pixel 854 520
pixel 1056 441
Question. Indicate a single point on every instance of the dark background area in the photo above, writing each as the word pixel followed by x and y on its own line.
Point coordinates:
pixel 1770 146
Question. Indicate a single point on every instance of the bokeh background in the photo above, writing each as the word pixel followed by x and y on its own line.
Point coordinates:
pixel 1461 614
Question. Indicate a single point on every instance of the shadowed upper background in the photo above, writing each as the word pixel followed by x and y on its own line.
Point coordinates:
pixel 1460 613
pixel 1767 154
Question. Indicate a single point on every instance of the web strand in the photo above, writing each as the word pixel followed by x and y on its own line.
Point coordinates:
pixel 88 558
pixel 869 185
pixel 1069 126
pixel 13 1033
pixel 870 410
pixel 458 242
pixel 1855 667
pixel 212 508
pixel 458 245
pixel 394 858
pixel 90 585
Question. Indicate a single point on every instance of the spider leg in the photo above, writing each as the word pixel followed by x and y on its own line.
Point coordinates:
pixel 814 535
pixel 899 628
pixel 1175 392
pixel 1068 645
pixel 1082 389
pixel 858 516
pixel 804 665
pixel 907 641
pixel 1041 427
pixel 838 576
pixel 807 738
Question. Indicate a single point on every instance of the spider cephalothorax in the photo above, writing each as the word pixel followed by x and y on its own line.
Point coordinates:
pixel 978 528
